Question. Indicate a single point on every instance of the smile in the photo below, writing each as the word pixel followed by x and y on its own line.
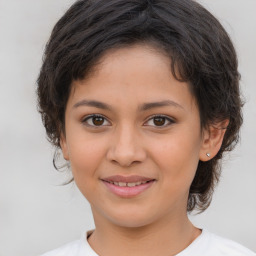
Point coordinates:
pixel 128 186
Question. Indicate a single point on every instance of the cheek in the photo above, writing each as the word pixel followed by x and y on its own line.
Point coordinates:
pixel 177 157
pixel 85 156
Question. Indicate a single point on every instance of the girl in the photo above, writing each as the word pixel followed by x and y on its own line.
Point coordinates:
pixel 143 99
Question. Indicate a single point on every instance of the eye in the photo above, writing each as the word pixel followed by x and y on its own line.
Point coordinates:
pixel 159 121
pixel 95 121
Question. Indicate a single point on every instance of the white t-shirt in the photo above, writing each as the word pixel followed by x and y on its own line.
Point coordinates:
pixel 207 244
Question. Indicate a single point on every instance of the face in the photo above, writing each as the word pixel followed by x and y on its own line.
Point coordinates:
pixel 133 138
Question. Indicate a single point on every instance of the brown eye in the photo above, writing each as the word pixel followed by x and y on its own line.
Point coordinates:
pixel 95 121
pixel 98 120
pixel 159 121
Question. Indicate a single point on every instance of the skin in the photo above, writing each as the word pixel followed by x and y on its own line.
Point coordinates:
pixel 129 141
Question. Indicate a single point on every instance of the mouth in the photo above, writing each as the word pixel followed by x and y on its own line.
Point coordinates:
pixel 128 186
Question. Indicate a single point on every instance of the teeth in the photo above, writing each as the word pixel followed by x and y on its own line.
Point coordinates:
pixel 131 184
pixel 128 184
pixel 121 184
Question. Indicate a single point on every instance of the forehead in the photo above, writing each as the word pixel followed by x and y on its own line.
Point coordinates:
pixel 139 72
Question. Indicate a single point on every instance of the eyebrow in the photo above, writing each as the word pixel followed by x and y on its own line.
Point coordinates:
pixel 143 107
pixel 150 105
pixel 92 103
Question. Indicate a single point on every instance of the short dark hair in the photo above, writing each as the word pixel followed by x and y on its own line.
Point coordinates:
pixel 200 50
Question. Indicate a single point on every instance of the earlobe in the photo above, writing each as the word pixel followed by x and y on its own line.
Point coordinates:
pixel 212 140
pixel 64 147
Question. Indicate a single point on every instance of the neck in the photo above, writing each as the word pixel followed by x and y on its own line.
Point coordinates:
pixel 165 237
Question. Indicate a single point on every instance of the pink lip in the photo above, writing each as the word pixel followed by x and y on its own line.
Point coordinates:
pixel 128 192
pixel 131 178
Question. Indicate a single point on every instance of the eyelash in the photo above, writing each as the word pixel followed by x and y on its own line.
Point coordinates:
pixel 166 118
pixel 90 117
pixel 85 120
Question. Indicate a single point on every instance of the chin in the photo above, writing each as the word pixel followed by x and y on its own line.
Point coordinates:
pixel 131 223
pixel 131 219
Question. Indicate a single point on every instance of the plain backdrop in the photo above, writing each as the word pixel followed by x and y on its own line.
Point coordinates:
pixel 36 214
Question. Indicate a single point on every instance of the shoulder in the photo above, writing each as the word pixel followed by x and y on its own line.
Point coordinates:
pixel 212 245
pixel 69 249
pixel 77 248
pixel 224 246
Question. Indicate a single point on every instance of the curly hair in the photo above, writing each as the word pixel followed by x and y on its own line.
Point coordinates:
pixel 199 48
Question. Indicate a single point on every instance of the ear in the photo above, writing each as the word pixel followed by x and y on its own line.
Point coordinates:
pixel 64 146
pixel 212 140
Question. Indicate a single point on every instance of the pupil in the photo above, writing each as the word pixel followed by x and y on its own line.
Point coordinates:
pixel 159 121
pixel 97 120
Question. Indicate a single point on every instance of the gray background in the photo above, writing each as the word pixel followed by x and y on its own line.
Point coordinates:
pixel 36 214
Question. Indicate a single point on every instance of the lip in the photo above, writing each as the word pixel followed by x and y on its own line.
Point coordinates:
pixel 127 192
pixel 131 178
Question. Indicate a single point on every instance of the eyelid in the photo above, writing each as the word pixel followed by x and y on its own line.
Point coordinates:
pixel 86 118
pixel 169 119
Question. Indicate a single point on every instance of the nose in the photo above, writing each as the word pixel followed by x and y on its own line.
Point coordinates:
pixel 126 147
